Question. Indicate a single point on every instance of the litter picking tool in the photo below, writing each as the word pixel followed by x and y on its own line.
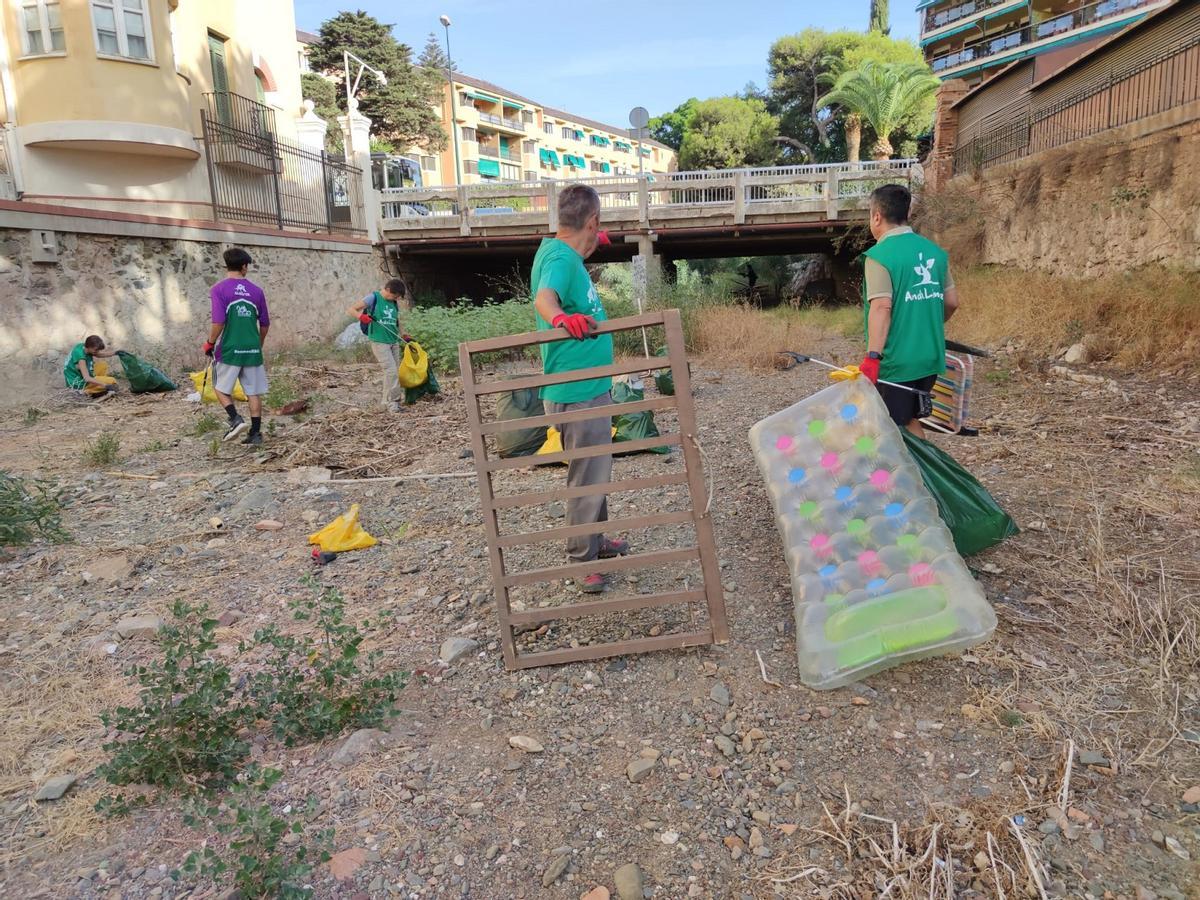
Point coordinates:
pixel 942 409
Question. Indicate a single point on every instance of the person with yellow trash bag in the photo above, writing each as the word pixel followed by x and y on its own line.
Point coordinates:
pixel 379 317
pixel 83 373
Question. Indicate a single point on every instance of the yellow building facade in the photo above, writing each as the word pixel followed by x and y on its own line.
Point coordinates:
pixel 503 136
pixel 102 99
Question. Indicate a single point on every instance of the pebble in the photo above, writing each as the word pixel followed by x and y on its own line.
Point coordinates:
pixel 599 892
pixel 138 626
pixel 1049 826
pixel 725 745
pixel 629 882
pixel 268 525
pixel 525 743
pixel 639 770
pixel 359 744
pixel 556 869
pixel 1093 758
pixel 719 694
pixel 54 788
pixel 669 837
pixel 455 648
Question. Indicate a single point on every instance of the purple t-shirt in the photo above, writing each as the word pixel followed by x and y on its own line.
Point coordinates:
pixel 237 290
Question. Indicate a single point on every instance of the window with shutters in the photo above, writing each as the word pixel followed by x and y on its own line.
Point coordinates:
pixel 220 78
pixel 123 29
pixel 548 127
pixel 468 133
pixel 531 175
pixel 41 28
pixel 471 166
pixel 527 116
pixel 529 146
pixel 429 163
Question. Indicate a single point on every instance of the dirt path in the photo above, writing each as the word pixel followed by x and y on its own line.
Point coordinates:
pixel 1097 648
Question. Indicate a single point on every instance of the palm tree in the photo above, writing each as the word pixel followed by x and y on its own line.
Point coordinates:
pixel 883 95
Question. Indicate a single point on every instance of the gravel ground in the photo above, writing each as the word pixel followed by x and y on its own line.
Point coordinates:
pixel 686 764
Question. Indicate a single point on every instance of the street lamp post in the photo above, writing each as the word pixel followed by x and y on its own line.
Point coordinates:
pixel 351 90
pixel 445 20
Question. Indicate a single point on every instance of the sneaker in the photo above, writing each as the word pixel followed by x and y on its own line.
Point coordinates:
pixel 594 584
pixel 236 427
pixel 254 439
pixel 610 547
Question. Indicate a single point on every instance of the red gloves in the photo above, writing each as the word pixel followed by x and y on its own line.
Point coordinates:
pixel 365 319
pixel 870 368
pixel 407 338
pixel 208 348
pixel 602 239
pixel 578 325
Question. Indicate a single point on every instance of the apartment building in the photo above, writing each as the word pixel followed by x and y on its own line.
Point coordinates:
pixel 102 99
pixel 975 39
pixel 504 136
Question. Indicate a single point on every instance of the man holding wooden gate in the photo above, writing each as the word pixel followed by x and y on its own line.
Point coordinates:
pixel 565 297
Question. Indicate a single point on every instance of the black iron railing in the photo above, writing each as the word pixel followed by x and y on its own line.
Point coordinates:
pixel 259 178
pixel 241 113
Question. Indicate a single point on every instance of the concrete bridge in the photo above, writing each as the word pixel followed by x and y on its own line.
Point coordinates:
pixel 460 238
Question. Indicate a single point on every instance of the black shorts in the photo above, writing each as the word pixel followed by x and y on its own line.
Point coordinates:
pixel 904 406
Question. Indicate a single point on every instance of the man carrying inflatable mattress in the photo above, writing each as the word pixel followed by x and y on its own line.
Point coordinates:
pixel 908 294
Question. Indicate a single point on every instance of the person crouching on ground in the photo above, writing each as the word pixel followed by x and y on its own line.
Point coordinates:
pixel 380 313
pixel 240 321
pixel 565 297
pixel 909 294
pixel 83 373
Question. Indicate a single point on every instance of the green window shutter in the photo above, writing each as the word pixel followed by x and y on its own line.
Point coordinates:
pixel 605 167
pixel 489 167
pixel 553 158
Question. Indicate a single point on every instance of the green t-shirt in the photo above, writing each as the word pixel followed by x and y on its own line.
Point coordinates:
pixel 558 267
pixel 916 342
pixel 385 321
pixel 71 367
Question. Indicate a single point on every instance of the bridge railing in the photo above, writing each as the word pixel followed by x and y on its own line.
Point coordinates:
pixel 830 191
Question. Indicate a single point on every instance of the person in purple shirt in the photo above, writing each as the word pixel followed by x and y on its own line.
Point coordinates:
pixel 240 321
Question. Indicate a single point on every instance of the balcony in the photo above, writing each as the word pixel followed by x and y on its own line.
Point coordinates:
pixel 1029 38
pixel 243 132
pixel 500 152
pixel 502 121
pixel 937 19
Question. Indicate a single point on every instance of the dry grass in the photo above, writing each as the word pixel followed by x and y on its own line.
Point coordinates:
pixel 953 849
pixel 1140 319
pixel 744 337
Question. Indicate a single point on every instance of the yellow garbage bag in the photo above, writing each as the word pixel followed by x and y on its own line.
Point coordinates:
pixel 342 534
pixel 845 373
pixel 100 373
pixel 553 442
pixel 414 368
pixel 203 382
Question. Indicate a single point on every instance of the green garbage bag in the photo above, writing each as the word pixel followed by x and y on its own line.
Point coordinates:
pixel 664 380
pixel 143 377
pixel 430 387
pixel 975 520
pixel 520 405
pixel 633 426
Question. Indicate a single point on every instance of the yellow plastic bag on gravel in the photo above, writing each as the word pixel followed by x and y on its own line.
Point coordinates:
pixel 203 382
pixel 342 534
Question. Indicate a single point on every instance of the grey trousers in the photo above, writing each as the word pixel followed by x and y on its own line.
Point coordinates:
pixel 593 470
pixel 388 356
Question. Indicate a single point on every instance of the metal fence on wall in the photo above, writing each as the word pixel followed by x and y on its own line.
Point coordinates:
pixel 261 179
pixel 1155 86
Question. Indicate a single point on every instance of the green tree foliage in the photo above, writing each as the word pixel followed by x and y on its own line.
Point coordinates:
pixel 884 96
pixel 669 127
pixel 727 133
pixel 879 17
pixel 434 57
pixel 323 93
pixel 804 66
pixel 402 111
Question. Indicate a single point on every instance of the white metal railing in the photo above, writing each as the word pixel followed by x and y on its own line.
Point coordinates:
pixel 834 190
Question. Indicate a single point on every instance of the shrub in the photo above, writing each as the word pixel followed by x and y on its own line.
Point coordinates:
pixel 184 733
pixel 313 688
pixel 29 509
pixel 103 451
pixel 206 424
pixel 440 329
pixel 263 863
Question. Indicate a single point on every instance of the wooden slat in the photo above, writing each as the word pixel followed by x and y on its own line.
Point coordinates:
pixel 617 564
pixel 617 648
pixel 611 487
pixel 580 415
pixel 529 338
pixel 598 607
pixel 696 485
pixel 520 462
pixel 627 367
pixel 628 524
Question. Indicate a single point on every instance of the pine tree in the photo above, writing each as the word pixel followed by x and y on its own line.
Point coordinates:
pixel 879 17
pixel 402 111
pixel 433 57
